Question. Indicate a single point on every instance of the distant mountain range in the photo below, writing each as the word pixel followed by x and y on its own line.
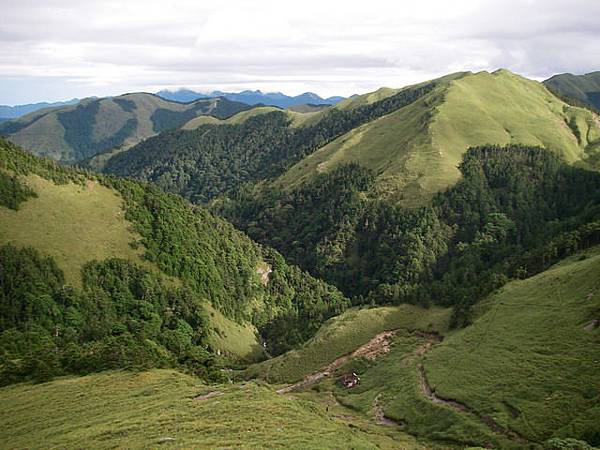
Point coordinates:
pixel 72 133
pixel 12 112
pixel 187 96
pixel 252 97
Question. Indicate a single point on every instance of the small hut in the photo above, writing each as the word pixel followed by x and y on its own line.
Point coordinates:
pixel 350 380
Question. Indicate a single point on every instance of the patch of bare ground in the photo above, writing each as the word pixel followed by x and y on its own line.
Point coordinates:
pixel 207 396
pixel 377 346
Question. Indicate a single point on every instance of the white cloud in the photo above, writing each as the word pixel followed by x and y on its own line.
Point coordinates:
pixel 331 47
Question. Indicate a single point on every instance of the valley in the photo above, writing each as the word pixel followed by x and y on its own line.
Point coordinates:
pixel 410 268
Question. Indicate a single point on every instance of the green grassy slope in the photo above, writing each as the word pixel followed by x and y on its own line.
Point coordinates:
pixel 297 117
pixel 76 132
pixel 344 334
pixel 73 223
pixel 529 360
pixel 238 342
pixel 391 383
pixel 237 118
pixel 157 409
pixel 415 150
pixel 585 88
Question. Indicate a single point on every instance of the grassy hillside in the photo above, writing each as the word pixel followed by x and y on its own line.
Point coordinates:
pixel 585 88
pixel 298 116
pixel 158 409
pixel 344 334
pixel 532 360
pixel 72 223
pixel 76 132
pixel 414 151
pixel 238 342
pixel 528 364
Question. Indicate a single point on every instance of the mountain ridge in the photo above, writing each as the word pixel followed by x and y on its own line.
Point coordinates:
pixel 256 97
pixel 76 132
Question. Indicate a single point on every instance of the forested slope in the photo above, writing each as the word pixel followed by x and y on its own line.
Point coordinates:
pixel 138 303
pixel 515 210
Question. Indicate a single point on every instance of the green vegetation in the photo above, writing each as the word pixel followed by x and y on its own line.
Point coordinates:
pixel 78 124
pixel 75 133
pixel 344 334
pixel 124 317
pixel 73 223
pixel 584 88
pixel 238 342
pixel 515 211
pixel 215 159
pixel 237 118
pixel 392 383
pixel 206 261
pixel 157 408
pixel 13 192
pixel 414 151
pixel 530 360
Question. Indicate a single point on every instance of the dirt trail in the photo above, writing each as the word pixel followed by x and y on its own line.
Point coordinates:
pixel 376 347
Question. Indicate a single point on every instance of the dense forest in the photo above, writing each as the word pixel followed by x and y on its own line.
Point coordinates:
pixel 125 315
pixel 515 211
pixel 217 159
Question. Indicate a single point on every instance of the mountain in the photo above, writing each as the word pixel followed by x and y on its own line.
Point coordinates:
pixel 439 286
pixel 585 88
pixel 213 159
pixel 12 112
pixel 412 139
pixel 103 273
pixel 73 133
pixel 414 151
pixel 252 97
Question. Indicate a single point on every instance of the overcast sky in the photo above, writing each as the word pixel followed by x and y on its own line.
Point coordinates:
pixel 59 49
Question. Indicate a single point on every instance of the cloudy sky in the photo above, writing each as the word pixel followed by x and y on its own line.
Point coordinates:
pixel 59 49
